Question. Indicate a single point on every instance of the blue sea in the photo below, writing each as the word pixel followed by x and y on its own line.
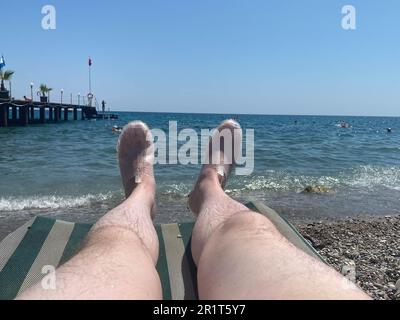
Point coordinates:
pixel 69 170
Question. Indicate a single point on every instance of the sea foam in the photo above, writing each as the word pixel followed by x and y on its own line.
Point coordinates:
pixel 51 201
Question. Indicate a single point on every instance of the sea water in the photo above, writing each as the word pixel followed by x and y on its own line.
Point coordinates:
pixel 69 170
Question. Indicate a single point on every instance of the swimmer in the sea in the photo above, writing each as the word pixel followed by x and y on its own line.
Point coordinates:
pixel 116 129
pixel 344 125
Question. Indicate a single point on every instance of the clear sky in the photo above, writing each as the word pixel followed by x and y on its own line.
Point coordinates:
pixel 223 56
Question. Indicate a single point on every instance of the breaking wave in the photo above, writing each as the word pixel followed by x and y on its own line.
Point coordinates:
pixel 52 202
pixel 363 177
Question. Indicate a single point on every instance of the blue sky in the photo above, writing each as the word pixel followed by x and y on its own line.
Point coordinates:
pixel 224 56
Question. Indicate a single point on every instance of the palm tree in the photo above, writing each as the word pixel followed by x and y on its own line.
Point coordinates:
pixel 44 92
pixel 5 76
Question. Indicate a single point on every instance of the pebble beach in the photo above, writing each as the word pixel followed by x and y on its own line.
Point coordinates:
pixel 364 249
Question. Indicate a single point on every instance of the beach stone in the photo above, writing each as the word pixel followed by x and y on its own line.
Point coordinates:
pixel 397 286
pixel 391 286
pixel 316 189
pixel 379 286
pixel 351 254
pixel 349 271
pixel 314 242
pixel 333 255
pixel 374 259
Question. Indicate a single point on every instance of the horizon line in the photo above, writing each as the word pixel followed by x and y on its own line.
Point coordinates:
pixel 264 114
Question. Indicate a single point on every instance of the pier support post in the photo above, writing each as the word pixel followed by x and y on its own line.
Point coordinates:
pixel 24 115
pixel 42 115
pixel 75 114
pixel 51 114
pixel 82 115
pixel 32 109
pixel 59 113
pixel 21 114
pixel 65 114
pixel 4 116
pixel 14 114
pixel 56 114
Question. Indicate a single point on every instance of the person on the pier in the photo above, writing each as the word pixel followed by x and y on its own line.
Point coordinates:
pixel 239 253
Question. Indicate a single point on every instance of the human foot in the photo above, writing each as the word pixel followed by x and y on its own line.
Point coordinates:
pixel 220 162
pixel 136 156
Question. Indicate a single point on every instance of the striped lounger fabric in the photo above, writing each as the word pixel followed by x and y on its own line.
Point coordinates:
pixel 46 242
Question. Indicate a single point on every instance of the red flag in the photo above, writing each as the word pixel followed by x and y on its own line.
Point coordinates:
pixel 90 62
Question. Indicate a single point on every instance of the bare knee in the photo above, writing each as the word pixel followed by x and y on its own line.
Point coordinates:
pixel 244 229
pixel 117 237
pixel 248 224
pixel 243 225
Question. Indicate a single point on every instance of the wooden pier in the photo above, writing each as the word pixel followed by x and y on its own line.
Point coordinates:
pixel 22 113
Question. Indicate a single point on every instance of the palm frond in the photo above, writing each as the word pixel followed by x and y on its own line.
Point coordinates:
pixel 43 88
pixel 7 75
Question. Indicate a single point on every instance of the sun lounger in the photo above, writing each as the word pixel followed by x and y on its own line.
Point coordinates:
pixel 46 242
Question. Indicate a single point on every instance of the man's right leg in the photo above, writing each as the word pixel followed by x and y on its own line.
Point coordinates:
pixel 241 255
